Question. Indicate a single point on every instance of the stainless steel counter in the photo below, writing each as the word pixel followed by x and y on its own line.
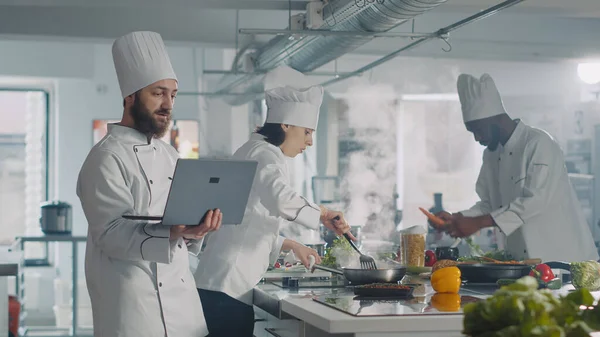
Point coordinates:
pixel 269 297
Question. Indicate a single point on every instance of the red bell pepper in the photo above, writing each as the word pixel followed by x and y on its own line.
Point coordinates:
pixel 430 258
pixel 543 273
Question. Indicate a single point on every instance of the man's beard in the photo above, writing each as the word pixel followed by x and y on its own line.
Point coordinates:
pixel 145 123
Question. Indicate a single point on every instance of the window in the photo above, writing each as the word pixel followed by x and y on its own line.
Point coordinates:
pixel 23 161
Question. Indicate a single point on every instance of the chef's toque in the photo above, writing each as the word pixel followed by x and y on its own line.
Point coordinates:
pixel 298 107
pixel 285 76
pixel 140 59
pixel 479 98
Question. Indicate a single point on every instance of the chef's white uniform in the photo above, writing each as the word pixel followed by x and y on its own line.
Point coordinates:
pixel 138 279
pixel 525 187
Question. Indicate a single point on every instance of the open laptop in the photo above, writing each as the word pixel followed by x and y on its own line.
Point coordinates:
pixel 200 185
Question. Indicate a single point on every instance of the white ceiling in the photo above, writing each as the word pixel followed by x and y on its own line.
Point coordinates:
pixel 533 30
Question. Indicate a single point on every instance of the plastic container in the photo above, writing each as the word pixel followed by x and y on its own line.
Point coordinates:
pixel 412 246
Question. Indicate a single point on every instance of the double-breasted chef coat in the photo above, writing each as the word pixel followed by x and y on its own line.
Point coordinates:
pixel 524 186
pixel 236 257
pixel 139 280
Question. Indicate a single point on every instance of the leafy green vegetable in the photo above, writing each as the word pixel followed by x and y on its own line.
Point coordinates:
pixel 521 309
pixel 477 253
pixel 586 274
pixel 390 255
pixel 339 247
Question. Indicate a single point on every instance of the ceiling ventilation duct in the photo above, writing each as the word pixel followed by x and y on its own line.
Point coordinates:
pixel 306 53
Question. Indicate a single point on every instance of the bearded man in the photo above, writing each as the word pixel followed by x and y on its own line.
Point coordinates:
pixel 137 272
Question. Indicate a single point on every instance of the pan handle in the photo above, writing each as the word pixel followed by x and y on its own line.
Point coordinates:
pixel 559 265
pixel 332 270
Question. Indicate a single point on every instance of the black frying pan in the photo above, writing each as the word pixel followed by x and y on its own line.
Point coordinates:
pixel 368 276
pixel 491 273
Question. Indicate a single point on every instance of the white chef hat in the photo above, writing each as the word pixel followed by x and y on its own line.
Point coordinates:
pixel 479 98
pixel 140 59
pixel 299 107
pixel 285 76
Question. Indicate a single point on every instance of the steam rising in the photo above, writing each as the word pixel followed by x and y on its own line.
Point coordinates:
pixel 369 179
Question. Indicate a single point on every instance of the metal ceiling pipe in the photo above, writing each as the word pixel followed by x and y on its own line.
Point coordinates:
pixel 320 32
pixel 306 53
pixel 440 33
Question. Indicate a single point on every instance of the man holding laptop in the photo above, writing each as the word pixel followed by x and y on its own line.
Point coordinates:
pixel 137 271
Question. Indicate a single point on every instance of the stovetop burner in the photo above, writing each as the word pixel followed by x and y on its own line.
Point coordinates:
pixel 308 283
pixel 415 306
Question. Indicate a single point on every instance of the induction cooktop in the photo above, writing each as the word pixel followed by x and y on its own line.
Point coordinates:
pixel 308 283
pixel 415 306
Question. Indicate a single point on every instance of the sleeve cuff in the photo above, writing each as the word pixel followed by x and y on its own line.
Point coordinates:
pixel 507 221
pixel 471 213
pixel 309 216
pixel 157 246
pixel 195 246
pixel 276 249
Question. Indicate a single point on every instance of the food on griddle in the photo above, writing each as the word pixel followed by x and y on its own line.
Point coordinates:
pixel 412 250
pixel 443 264
pixel 385 286
pixel 446 280
pixel 479 255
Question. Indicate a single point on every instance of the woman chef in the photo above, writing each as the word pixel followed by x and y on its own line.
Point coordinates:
pixel 236 257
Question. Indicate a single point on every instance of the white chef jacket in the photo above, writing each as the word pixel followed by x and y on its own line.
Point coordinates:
pixel 139 280
pixel 524 186
pixel 236 257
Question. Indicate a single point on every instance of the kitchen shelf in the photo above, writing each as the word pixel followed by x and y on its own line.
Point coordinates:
pixel 74 330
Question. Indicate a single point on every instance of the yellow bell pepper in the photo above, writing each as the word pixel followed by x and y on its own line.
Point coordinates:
pixel 446 280
pixel 446 302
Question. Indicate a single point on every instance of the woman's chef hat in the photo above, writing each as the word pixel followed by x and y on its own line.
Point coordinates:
pixel 479 98
pixel 140 59
pixel 299 107
pixel 285 75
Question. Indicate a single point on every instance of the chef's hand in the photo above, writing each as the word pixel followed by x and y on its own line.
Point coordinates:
pixel 447 217
pixel 303 253
pixel 335 221
pixel 210 223
pixel 461 226
pixel 444 216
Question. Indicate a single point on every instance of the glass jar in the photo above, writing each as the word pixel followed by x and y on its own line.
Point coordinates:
pixel 412 250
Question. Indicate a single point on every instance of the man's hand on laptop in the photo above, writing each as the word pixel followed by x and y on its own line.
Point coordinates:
pixel 210 223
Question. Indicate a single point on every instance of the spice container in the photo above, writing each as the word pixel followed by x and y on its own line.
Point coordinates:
pixel 412 246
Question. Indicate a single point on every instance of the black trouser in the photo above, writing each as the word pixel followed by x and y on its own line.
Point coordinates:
pixel 225 316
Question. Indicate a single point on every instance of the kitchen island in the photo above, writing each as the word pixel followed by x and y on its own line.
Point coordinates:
pixel 323 309
pixel 317 311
